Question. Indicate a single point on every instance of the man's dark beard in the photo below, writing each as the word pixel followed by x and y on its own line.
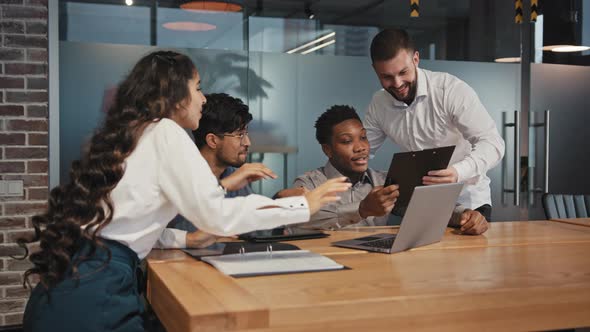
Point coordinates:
pixel 236 164
pixel 411 94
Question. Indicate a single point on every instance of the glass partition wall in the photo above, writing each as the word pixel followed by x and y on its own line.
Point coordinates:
pixel 291 60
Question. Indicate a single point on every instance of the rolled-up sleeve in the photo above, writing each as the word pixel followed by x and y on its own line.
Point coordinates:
pixel 477 127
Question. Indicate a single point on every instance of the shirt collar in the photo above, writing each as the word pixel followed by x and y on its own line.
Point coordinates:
pixel 331 172
pixel 422 89
pixel 227 172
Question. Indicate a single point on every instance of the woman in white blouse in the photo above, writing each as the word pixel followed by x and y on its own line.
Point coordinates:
pixel 140 170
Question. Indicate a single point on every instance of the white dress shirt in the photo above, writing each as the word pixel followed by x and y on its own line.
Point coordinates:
pixel 165 175
pixel 174 237
pixel 446 111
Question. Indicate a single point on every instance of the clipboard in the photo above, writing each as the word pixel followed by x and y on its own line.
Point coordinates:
pixel 408 168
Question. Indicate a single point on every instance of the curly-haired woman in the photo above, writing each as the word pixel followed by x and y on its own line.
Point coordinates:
pixel 139 171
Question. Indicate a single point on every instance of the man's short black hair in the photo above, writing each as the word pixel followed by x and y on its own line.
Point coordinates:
pixel 387 44
pixel 221 114
pixel 333 116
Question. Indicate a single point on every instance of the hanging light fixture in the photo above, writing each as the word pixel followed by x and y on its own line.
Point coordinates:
pixel 506 45
pixel 202 7
pixel 563 30
pixel 565 48
pixel 308 13
pixel 189 26
pixel 215 6
pixel 514 59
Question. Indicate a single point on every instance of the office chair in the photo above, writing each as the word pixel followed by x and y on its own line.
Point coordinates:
pixel 566 206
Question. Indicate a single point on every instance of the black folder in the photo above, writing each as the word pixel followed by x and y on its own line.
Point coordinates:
pixel 289 233
pixel 408 168
pixel 228 248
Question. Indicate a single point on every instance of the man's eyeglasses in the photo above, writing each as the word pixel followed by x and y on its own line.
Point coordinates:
pixel 241 136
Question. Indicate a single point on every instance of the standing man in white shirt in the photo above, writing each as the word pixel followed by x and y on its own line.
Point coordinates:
pixel 367 202
pixel 420 109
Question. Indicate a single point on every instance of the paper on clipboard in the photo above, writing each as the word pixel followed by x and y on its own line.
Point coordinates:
pixel 268 263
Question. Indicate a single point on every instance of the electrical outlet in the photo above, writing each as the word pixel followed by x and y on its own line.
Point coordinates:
pixel 11 188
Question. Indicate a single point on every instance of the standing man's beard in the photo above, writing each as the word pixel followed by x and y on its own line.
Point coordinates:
pixel 411 93
pixel 413 87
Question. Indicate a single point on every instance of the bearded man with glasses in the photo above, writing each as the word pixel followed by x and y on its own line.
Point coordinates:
pixel 222 138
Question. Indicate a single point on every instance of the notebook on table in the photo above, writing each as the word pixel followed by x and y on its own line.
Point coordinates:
pixel 271 262
pixel 246 259
pixel 424 222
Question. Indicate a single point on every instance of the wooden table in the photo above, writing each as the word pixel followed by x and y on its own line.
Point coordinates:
pixel 575 221
pixel 518 276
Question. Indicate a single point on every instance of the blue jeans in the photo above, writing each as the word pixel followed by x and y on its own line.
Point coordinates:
pixel 104 298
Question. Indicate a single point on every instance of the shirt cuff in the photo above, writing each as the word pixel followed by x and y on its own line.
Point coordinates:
pixel 173 238
pixel 293 203
pixel 295 210
pixel 456 216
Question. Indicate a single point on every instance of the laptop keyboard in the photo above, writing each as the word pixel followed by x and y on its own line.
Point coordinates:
pixel 383 243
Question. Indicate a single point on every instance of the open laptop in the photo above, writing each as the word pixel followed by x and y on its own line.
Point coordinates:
pixel 425 221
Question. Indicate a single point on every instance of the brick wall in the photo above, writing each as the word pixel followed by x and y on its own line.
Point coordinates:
pixel 23 138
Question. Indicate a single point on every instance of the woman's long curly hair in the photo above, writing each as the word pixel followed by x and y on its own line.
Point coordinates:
pixel 154 89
